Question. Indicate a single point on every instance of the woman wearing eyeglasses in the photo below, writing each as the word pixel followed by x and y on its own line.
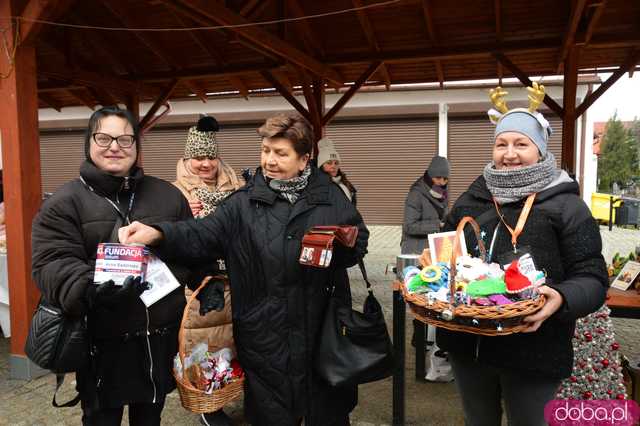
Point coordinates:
pixel 132 346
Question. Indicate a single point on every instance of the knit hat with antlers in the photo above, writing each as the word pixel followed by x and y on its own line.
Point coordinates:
pixel 526 121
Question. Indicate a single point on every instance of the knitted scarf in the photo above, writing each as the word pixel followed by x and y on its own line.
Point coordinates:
pixel 508 186
pixel 290 189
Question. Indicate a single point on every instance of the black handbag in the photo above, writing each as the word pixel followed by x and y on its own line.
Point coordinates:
pixel 56 341
pixel 354 347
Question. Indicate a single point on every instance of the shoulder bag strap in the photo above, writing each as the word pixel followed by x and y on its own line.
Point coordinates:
pixel 71 403
pixel 364 274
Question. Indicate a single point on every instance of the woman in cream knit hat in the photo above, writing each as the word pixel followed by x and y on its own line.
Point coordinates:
pixel 329 162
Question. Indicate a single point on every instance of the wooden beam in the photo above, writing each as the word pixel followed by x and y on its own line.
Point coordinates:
pixel 196 89
pixel 161 100
pixel 249 6
pixel 39 10
pixel 497 11
pixel 595 17
pixel 199 38
pixel 132 103
pixel 349 93
pixel 555 107
pixel 629 64
pixel 440 73
pixel 103 96
pixel 81 96
pixel 369 33
pixel 126 20
pixel 239 85
pixel 90 79
pixel 286 94
pixel 312 105
pixel 305 28
pixel 283 78
pixel 433 37
pixel 51 101
pixel 470 51
pixel 220 14
pixel 570 33
pixel 21 181
pixel 570 87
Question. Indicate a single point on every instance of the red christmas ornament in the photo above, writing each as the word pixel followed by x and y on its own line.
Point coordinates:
pixel 610 392
pixel 600 330
pixel 582 364
pixel 596 369
pixel 620 396
pixel 590 379
pixel 588 337
pixel 573 379
pixel 587 395
pixel 615 346
pixel 605 363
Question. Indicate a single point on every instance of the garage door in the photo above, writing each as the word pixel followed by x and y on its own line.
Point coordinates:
pixel 470 146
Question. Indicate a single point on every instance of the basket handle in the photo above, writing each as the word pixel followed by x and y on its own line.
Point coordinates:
pixel 181 332
pixel 456 246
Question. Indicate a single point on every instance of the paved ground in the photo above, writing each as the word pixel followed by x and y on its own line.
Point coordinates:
pixel 29 403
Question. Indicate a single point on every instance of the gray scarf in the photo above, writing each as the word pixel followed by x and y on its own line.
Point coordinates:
pixel 290 189
pixel 508 186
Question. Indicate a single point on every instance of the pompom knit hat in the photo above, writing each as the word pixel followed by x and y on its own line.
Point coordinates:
pixel 201 139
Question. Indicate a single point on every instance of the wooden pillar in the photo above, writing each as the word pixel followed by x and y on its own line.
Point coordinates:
pixel 22 187
pixel 133 105
pixel 569 117
pixel 318 125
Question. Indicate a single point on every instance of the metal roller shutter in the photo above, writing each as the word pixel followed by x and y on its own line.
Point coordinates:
pixel 470 146
pixel 238 145
pixel 383 158
pixel 61 154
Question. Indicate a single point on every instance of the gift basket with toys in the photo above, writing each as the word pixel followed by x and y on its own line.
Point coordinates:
pixel 471 295
pixel 206 381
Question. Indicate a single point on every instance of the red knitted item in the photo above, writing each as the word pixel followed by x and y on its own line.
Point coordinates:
pixel 515 281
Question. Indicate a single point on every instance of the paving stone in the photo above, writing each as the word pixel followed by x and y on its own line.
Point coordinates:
pixel 29 403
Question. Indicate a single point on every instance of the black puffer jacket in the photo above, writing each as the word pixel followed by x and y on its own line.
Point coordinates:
pixel 278 305
pixel 66 233
pixel 565 242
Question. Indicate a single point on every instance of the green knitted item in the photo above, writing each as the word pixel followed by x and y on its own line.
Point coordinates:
pixel 486 287
pixel 416 285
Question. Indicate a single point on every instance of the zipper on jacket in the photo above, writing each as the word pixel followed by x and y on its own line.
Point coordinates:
pixel 477 347
pixel 146 310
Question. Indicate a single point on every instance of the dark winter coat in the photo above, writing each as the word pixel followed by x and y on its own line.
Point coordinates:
pixel 65 236
pixel 565 242
pixel 278 304
pixel 423 214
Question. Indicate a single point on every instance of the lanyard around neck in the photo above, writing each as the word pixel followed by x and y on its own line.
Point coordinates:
pixel 524 214
pixel 124 216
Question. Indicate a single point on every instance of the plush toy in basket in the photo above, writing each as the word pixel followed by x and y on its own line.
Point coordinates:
pixel 472 295
pixel 206 381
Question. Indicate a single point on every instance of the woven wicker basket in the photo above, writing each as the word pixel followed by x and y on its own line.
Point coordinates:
pixel 194 399
pixel 485 320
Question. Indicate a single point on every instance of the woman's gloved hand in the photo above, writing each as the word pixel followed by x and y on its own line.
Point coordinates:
pixel 109 295
pixel 211 297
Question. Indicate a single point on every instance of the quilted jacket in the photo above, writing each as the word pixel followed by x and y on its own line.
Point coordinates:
pixel 134 348
pixel 565 242
pixel 278 304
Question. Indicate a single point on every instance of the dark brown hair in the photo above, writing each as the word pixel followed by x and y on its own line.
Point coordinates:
pixel 292 127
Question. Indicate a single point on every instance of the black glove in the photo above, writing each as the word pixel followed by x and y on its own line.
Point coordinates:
pixel 211 297
pixel 109 295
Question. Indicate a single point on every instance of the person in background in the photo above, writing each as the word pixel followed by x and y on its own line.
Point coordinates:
pixel 132 346
pixel 522 188
pixel 329 162
pixel 278 304
pixel 425 207
pixel 205 180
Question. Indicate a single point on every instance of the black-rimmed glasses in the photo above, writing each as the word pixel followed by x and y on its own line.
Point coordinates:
pixel 104 140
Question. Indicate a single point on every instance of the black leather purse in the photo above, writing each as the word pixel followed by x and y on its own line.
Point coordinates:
pixel 56 341
pixel 354 347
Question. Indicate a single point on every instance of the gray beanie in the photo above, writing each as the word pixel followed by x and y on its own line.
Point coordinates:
pixel 439 167
pixel 326 151
pixel 532 125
